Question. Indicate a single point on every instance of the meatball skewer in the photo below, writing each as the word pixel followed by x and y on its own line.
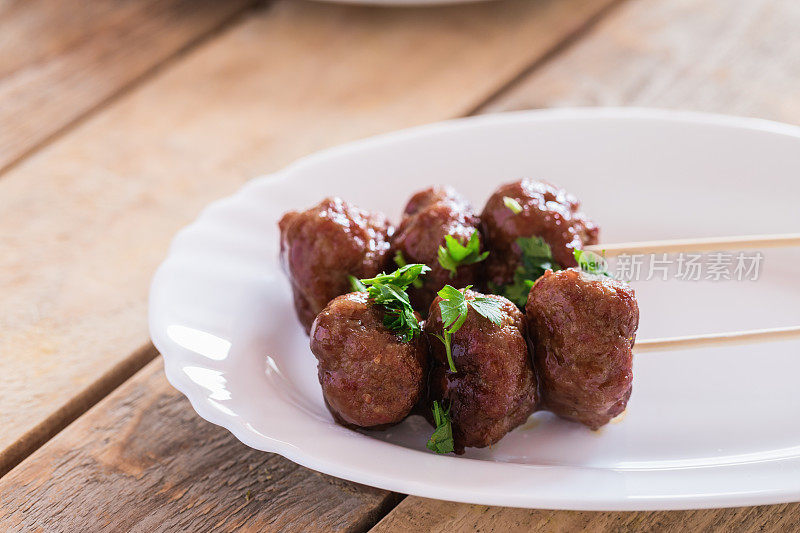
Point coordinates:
pixel 440 229
pixel 372 360
pixel 482 380
pixel 529 227
pixel 582 328
pixel 321 246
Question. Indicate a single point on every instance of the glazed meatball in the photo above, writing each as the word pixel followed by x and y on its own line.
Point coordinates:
pixel 369 377
pixel 582 327
pixel 494 389
pixel 320 247
pixel 429 216
pixel 547 212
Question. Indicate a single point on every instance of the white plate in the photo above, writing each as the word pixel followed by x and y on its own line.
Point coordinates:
pixel 704 428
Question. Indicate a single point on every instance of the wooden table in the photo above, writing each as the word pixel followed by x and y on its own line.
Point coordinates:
pixel 121 119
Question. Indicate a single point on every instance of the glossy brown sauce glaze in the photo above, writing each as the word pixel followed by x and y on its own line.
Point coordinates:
pixel 369 378
pixel 321 246
pixel 494 389
pixel 429 216
pixel 582 328
pixel 547 212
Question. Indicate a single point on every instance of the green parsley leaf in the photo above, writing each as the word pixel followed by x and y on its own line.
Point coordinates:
pixel 356 285
pixel 517 291
pixel 592 263
pixel 389 291
pixel 401 262
pixel 454 308
pixel 402 277
pixel 453 305
pixel 512 204
pixel 454 254
pixel 536 258
pixel 536 255
pixel 488 308
pixel 442 439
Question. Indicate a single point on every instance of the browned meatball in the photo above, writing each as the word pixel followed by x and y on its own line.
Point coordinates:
pixel 547 212
pixel 430 215
pixel 369 377
pixel 494 388
pixel 321 246
pixel 583 327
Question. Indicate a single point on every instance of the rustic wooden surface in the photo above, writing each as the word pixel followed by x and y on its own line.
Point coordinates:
pixel 142 460
pixel 85 218
pixel 100 205
pixel 60 60
pixel 420 514
pixel 739 57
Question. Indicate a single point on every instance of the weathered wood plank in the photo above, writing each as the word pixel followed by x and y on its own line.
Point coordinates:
pixel 84 222
pixel 731 56
pixel 727 56
pixel 142 460
pixel 59 60
pixel 420 514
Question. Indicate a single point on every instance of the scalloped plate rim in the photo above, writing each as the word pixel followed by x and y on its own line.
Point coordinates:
pixel 461 494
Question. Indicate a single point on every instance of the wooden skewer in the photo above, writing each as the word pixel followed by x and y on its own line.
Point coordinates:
pixel 702 245
pixel 696 245
pixel 717 339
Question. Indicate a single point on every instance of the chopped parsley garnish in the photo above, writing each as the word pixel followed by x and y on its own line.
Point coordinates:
pixel 401 262
pixel 442 439
pixel 389 291
pixel 592 263
pixel 356 285
pixel 454 308
pixel 454 254
pixel 536 258
pixel 512 204
pixel 488 308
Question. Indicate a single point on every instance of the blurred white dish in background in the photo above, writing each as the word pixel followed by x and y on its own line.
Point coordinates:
pixel 704 428
pixel 401 3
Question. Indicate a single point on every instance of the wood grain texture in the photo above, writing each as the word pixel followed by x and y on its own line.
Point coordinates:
pixel 59 60
pixel 142 460
pixel 730 56
pixel 79 403
pixel 434 516
pixel 85 221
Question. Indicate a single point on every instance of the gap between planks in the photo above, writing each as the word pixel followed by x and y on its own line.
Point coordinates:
pixel 558 48
pixel 77 406
pixel 144 439
pixel 130 86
